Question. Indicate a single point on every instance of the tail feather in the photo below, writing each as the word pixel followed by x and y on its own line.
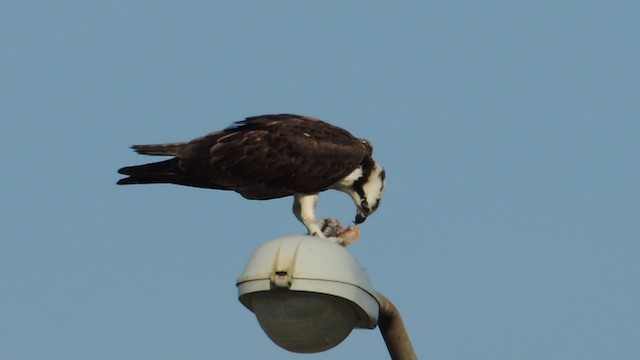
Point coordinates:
pixel 159 172
pixel 158 149
pixel 163 167
pixel 163 172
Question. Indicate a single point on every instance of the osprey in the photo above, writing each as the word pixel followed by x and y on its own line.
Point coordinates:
pixel 268 157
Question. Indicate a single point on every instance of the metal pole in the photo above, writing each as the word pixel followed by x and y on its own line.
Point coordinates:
pixel 393 331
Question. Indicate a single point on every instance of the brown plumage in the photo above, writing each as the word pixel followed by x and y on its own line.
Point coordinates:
pixel 262 157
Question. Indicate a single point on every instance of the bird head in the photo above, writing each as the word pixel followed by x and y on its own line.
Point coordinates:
pixel 367 192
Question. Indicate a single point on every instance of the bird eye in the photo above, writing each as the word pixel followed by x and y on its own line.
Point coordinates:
pixel 364 205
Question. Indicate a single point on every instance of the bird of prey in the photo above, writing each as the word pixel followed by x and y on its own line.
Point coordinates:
pixel 268 157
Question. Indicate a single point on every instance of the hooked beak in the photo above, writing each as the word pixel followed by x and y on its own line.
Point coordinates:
pixel 360 218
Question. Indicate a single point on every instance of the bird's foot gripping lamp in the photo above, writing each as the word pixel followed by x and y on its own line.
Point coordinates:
pixel 309 294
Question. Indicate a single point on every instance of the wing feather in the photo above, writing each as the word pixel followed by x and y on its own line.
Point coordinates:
pixel 273 156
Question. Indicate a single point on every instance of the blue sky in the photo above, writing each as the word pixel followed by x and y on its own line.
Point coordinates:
pixel 509 130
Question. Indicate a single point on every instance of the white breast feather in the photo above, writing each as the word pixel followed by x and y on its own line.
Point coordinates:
pixel 350 179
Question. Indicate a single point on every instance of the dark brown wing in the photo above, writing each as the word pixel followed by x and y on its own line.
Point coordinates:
pixel 262 157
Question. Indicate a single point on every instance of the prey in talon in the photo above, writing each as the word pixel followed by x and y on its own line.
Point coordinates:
pixel 332 230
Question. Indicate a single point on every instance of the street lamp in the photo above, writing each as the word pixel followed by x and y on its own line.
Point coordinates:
pixel 308 294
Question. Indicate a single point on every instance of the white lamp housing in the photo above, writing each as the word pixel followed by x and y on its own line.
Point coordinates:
pixel 307 293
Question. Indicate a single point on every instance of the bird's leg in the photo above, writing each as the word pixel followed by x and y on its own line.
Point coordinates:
pixel 304 207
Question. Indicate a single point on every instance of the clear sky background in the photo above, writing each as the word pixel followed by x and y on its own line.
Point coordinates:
pixel 510 132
